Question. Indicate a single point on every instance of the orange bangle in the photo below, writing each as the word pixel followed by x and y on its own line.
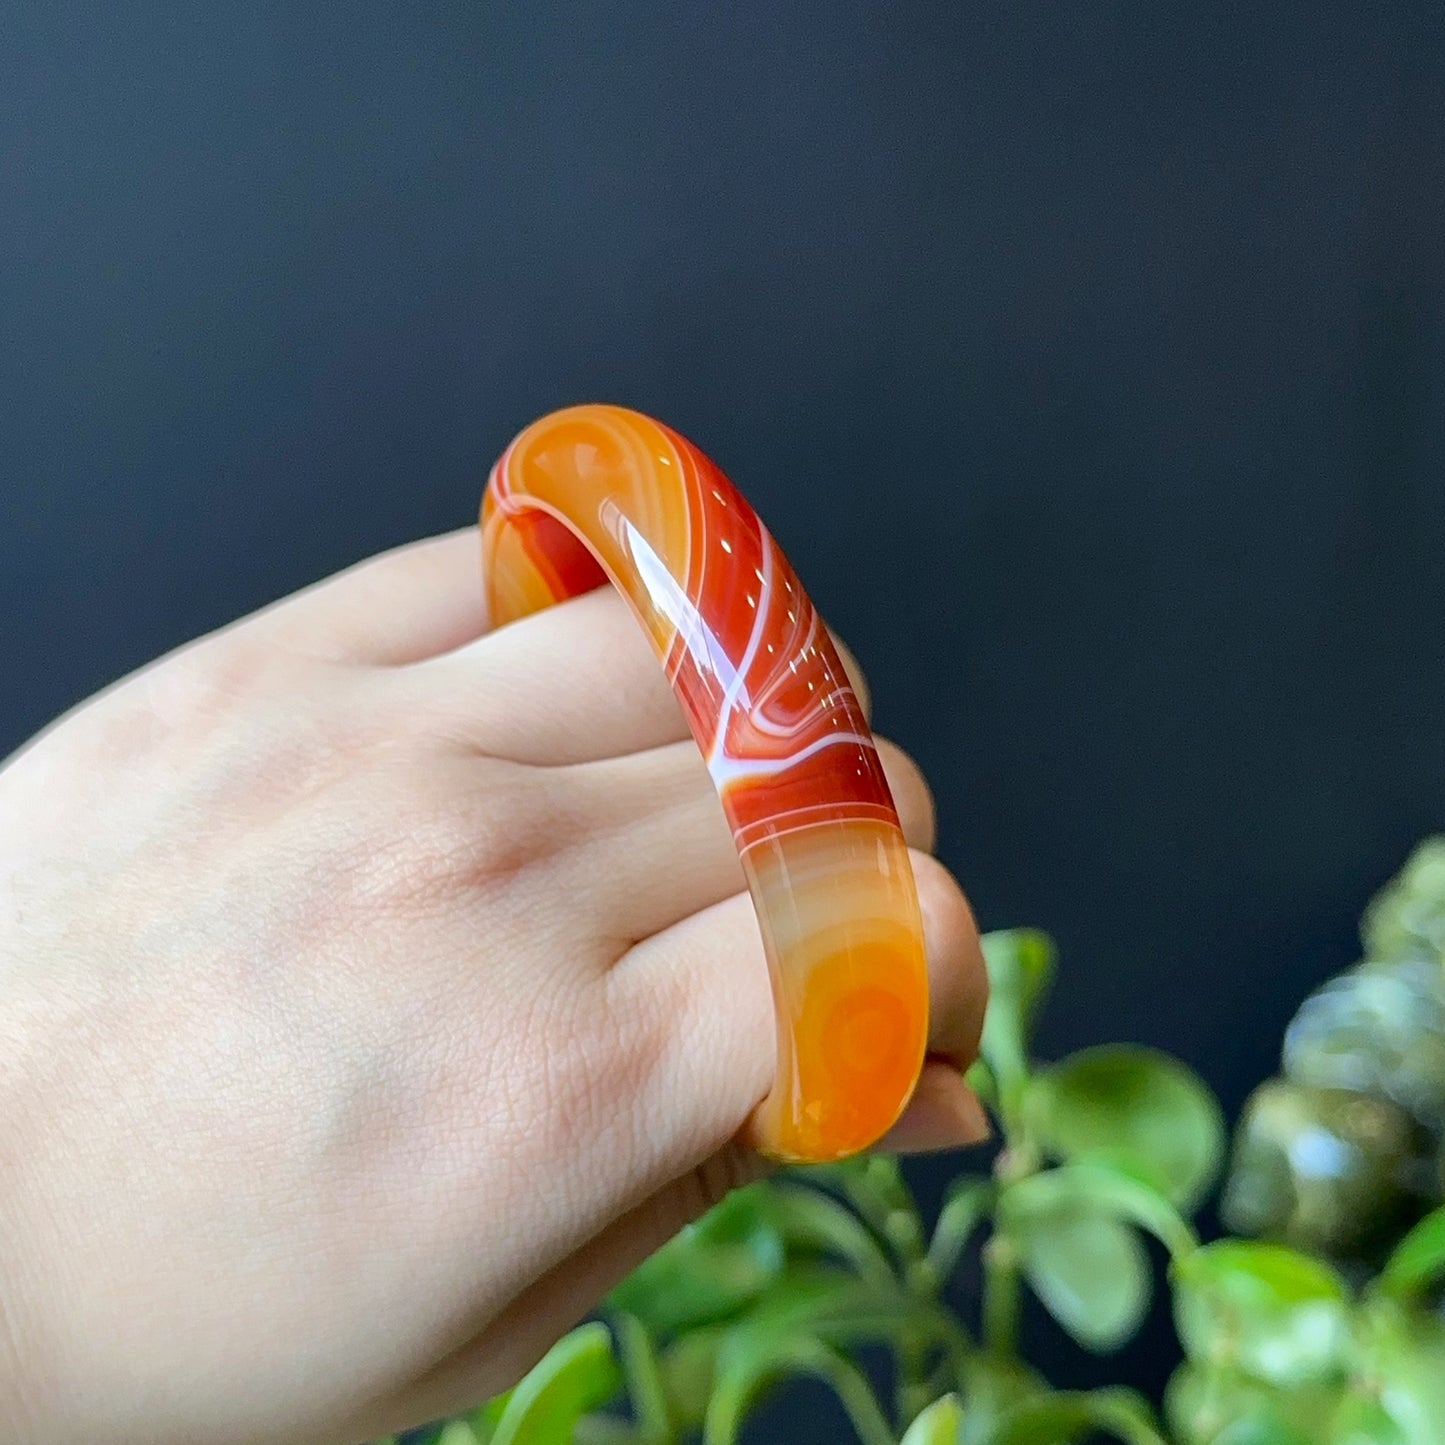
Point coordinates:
pixel 598 493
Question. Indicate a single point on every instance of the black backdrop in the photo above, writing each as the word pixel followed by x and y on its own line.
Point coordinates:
pixel 1086 359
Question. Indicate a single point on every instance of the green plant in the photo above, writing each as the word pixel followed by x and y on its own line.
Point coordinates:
pixel 1323 1332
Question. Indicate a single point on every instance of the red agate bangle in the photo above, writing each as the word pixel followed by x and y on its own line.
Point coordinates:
pixel 599 493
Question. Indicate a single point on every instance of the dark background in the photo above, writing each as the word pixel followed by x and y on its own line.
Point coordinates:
pixel 1085 358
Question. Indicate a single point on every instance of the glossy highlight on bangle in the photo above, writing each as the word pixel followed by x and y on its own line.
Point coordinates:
pixel 597 493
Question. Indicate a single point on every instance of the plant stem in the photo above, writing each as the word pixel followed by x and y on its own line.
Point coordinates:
pixel 1002 1297
pixel 1002 1282
pixel 911 1394
pixel 644 1382
pixel 851 1386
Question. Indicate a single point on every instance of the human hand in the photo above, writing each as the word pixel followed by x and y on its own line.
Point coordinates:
pixel 374 993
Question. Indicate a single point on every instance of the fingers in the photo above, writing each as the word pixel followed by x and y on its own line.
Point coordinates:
pixel 570 684
pixel 573 683
pixel 957 980
pixel 699 993
pixel 411 602
pixel 855 674
pixel 697 1005
pixel 657 841
pixel 944 1113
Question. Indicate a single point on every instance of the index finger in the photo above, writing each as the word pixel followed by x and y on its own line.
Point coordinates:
pixel 400 606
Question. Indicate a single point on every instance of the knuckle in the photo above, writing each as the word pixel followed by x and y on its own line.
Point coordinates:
pixel 425 838
pixel 912 796
pixel 958 980
pixel 946 908
pixel 190 705
pixel 194 689
pixel 856 676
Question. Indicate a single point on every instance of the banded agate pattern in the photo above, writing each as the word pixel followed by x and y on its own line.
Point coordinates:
pixel 599 493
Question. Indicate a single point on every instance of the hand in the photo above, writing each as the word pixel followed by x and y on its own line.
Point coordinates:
pixel 374 993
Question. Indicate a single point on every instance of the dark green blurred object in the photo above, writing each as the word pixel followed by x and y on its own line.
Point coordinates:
pixel 1376 1029
pixel 1324 1169
pixel 1346 1149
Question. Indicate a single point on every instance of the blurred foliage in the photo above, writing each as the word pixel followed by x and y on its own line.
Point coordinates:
pixel 1324 1328
pixel 1343 1151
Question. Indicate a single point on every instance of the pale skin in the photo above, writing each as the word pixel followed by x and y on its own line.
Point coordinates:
pixel 375 991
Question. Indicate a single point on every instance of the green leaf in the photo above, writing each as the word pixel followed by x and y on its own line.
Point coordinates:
pixel 940 1424
pixel 576 1375
pixel 1136 1106
pixel 852 1313
pixel 484 1418
pixel 1020 965
pixel 456 1432
pixel 867 1181
pixel 834 1310
pixel 1407 916
pixel 1402 1355
pixel 1067 1228
pixel 748 1367
pixel 604 1430
pixel 812 1222
pixel 835 1306
pixel 688 1368
pixel 965 1207
pixel 1418 1260
pixel 1260 1430
pixel 1090 1272
pixel 874 1186
pixel 710 1271
pixel 1201 1399
pixel 1276 1314
pixel 1103 1189
pixel 1208 1403
pixel 806 1293
pixel 979 1077
pixel 1363 1420
pixel 1058 1419
pixel 992 1387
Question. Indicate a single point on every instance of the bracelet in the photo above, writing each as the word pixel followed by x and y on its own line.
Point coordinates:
pixel 598 493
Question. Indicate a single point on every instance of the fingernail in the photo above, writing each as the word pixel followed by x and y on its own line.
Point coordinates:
pixel 944 1113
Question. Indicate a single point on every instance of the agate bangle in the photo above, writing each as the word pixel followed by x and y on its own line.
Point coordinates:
pixel 593 494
